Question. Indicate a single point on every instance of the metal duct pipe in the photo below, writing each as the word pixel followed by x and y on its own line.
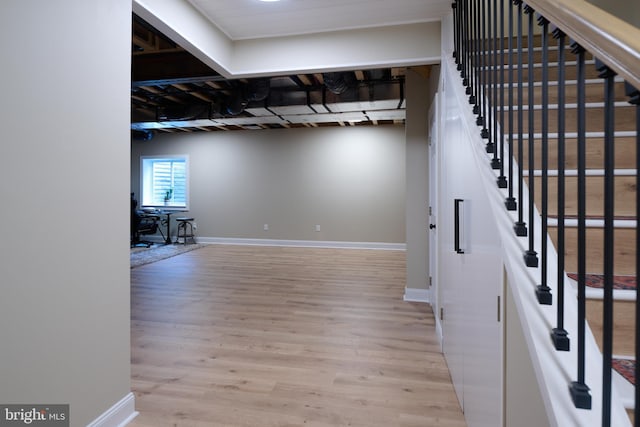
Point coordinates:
pixel 259 89
pixel 254 91
pixel 339 82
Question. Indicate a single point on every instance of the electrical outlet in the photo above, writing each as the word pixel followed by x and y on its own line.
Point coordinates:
pixel 317 227
pixel 266 227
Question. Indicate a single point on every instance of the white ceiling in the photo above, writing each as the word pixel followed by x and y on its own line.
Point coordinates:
pixel 252 19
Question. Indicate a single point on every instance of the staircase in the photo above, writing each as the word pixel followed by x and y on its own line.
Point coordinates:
pixel 625 195
pixel 624 333
pixel 549 80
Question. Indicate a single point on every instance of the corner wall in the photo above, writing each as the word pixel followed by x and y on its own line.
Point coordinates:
pixel 419 96
pixel 628 11
pixel 64 181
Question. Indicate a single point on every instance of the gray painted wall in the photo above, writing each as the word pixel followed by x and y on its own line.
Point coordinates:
pixel 350 181
pixel 626 10
pixel 64 308
pixel 418 95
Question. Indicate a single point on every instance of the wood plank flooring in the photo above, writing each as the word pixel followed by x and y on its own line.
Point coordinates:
pixel 269 336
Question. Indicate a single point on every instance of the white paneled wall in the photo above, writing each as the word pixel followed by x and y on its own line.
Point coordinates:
pixel 471 280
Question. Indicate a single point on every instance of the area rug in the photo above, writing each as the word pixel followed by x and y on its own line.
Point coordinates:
pixel 142 256
pixel 626 368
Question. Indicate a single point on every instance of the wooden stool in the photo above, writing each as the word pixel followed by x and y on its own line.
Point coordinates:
pixel 185 230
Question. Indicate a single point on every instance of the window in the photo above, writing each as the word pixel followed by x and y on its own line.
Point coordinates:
pixel 165 181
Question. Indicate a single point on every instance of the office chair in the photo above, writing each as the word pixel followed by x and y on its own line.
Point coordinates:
pixel 141 225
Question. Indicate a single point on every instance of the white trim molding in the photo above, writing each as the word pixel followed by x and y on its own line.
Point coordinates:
pixel 407 44
pixel 119 415
pixel 302 243
pixel 417 295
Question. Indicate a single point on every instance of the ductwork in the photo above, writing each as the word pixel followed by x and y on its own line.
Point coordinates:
pixel 243 93
pixel 259 89
pixel 339 83
pixel 182 112
pixel 237 103
pixel 341 97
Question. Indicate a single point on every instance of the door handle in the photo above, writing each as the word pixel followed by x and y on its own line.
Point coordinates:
pixel 457 207
pixel 432 226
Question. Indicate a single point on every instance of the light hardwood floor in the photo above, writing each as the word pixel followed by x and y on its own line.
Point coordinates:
pixel 271 336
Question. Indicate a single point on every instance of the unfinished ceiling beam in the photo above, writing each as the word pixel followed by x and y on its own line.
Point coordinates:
pixel 398 72
pixel 423 70
pixel 305 80
pixel 188 90
pixel 161 93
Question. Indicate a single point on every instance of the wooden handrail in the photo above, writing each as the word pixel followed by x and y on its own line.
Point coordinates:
pixel 610 39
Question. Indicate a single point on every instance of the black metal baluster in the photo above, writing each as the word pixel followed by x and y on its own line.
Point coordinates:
pixel 482 117
pixel 469 42
pixel 473 16
pixel 543 292
pixel 510 202
pixel 486 70
pixel 469 52
pixel 493 84
pixel 476 58
pixel 456 36
pixel 579 389
pixel 488 56
pixel 520 226
pixel 491 146
pixel 609 212
pixel 530 255
pixel 473 66
pixel 478 63
pixel 559 334
pixel 461 39
pixel 502 180
pixel 462 67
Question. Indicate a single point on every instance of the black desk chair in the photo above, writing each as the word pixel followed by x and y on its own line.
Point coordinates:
pixel 142 224
pixel 145 225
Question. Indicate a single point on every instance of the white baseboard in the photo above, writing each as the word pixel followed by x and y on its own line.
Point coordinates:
pixel 119 415
pixel 417 295
pixel 303 243
pixel 439 332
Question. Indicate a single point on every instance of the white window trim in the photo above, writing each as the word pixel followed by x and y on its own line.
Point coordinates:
pixel 184 157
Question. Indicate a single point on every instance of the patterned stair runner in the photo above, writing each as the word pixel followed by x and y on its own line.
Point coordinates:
pixel 597 281
pixel 626 368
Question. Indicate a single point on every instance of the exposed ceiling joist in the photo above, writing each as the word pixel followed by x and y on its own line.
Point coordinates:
pixel 172 91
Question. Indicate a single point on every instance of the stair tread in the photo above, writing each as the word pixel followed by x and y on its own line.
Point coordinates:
pixel 596 217
pixel 626 368
pixel 620 282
